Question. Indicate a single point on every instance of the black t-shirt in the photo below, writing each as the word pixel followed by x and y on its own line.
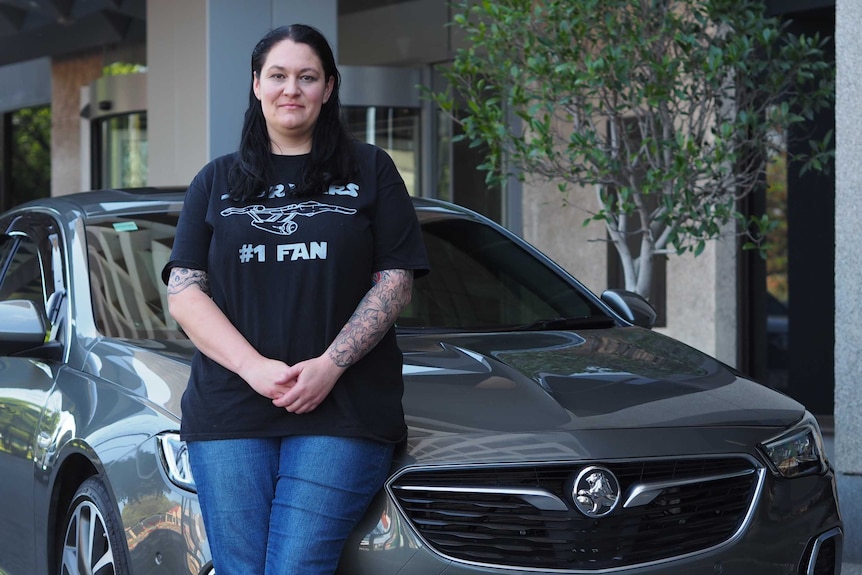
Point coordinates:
pixel 288 272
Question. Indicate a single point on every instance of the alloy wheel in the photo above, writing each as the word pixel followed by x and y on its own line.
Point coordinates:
pixel 86 546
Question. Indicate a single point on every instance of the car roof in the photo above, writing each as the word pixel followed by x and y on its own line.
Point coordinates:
pixel 107 202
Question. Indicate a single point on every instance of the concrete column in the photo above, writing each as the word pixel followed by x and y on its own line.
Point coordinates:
pixel 198 59
pixel 848 273
pixel 68 75
pixel 176 90
pixel 848 236
pixel 702 298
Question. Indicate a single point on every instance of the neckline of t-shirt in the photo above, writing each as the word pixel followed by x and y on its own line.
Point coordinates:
pixel 289 157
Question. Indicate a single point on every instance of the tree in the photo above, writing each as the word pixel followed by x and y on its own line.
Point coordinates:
pixel 668 109
pixel 31 155
pixel 777 248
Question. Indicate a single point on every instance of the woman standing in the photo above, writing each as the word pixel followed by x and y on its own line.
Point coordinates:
pixel 293 258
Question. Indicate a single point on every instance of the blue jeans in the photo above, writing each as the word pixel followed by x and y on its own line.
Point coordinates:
pixel 284 506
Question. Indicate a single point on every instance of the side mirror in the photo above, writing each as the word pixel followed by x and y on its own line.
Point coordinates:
pixel 22 326
pixel 631 307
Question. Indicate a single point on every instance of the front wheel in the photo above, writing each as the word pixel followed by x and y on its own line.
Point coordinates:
pixel 93 536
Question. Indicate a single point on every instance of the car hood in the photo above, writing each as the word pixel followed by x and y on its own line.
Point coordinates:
pixel 618 378
pixel 526 382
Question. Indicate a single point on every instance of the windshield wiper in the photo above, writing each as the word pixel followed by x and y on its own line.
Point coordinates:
pixel 594 322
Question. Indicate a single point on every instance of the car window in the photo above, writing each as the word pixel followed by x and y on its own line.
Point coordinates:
pixel 23 278
pixel 126 256
pixel 481 279
pixel 33 262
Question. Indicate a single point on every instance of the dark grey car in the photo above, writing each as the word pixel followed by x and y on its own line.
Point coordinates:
pixel 550 430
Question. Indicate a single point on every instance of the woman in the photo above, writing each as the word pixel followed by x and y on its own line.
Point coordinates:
pixel 292 260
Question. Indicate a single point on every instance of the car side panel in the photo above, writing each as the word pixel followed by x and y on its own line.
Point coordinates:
pixel 24 388
pixel 114 428
pixel 164 528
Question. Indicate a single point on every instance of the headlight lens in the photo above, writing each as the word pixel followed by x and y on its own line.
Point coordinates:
pixel 798 452
pixel 175 458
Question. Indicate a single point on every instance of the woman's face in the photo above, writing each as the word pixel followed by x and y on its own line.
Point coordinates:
pixel 292 88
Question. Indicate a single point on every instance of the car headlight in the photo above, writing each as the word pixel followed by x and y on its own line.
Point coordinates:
pixel 175 458
pixel 797 452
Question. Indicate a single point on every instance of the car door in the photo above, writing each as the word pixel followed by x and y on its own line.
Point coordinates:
pixel 31 262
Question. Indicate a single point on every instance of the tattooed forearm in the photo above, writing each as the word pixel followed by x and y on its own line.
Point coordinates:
pixel 374 315
pixel 181 278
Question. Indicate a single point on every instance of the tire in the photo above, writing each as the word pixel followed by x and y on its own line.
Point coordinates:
pixel 93 540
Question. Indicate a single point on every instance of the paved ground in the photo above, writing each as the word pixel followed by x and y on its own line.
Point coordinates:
pixel 846 568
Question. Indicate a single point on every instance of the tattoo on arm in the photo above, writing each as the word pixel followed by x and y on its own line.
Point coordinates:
pixel 181 278
pixel 375 314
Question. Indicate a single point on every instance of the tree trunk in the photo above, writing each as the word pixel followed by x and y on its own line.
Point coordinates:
pixel 645 259
pixel 630 271
pixel 637 270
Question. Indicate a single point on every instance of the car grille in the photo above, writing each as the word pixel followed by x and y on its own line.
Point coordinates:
pixel 499 516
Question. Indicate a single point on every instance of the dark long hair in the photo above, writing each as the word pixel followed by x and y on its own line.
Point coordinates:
pixel 331 159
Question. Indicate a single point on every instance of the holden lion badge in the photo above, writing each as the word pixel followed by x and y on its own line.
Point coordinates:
pixel 596 491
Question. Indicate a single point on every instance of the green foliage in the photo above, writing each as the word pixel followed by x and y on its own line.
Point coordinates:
pixel 31 154
pixel 122 68
pixel 668 108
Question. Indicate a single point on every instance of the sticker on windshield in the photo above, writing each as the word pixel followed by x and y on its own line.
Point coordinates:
pixel 125 226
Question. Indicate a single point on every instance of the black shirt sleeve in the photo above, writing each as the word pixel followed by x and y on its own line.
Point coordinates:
pixel 192 240
pixel 398 242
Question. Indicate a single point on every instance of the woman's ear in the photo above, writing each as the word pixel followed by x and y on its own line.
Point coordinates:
pixel 255 84
pixel 330 84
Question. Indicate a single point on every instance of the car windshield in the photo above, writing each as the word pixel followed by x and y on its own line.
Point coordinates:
pixel 480 280
pixel 126 256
